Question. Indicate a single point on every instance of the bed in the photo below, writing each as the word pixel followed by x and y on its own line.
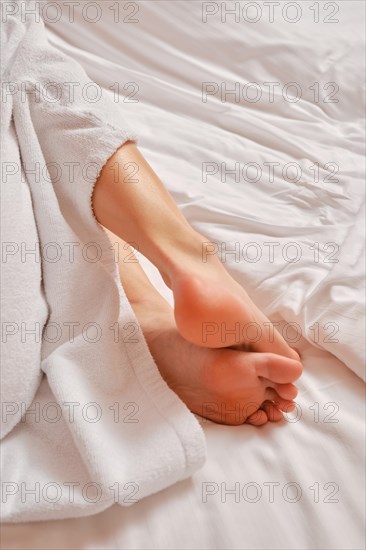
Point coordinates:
pixel 252 115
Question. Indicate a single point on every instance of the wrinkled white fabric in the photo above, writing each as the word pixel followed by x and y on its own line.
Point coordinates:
pixel 102 414
pixel 167 55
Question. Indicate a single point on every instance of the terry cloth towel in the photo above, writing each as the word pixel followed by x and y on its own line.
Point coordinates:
pixel 87 419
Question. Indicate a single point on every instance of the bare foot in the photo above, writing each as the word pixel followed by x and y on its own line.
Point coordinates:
pixel 213 310
pixel 224 385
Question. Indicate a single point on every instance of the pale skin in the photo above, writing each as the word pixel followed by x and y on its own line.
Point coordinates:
pixel 255 379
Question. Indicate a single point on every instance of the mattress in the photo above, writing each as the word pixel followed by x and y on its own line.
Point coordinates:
pixel 252 115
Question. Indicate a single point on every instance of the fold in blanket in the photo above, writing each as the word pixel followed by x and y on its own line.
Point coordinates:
pixel 87 420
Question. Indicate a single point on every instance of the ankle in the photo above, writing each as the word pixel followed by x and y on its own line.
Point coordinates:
pixel 183 256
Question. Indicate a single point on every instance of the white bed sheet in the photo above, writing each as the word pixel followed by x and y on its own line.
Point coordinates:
pixel 167 54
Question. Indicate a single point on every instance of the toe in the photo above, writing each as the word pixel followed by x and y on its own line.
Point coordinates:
pixel 285 405
pixel 272 411
pixel 285 391
pixel 277 368
pixel 294 354
pixel 259 418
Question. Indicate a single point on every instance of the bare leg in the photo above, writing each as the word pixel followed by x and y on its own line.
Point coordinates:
pixel 210 381
pixel 211 308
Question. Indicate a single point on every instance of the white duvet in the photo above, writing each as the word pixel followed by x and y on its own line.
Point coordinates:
pixel 280 183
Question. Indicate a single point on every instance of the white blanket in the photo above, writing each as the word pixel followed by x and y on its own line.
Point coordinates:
pixel 102 419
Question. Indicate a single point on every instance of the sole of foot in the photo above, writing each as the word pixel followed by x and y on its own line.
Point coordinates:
pixel 218 313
